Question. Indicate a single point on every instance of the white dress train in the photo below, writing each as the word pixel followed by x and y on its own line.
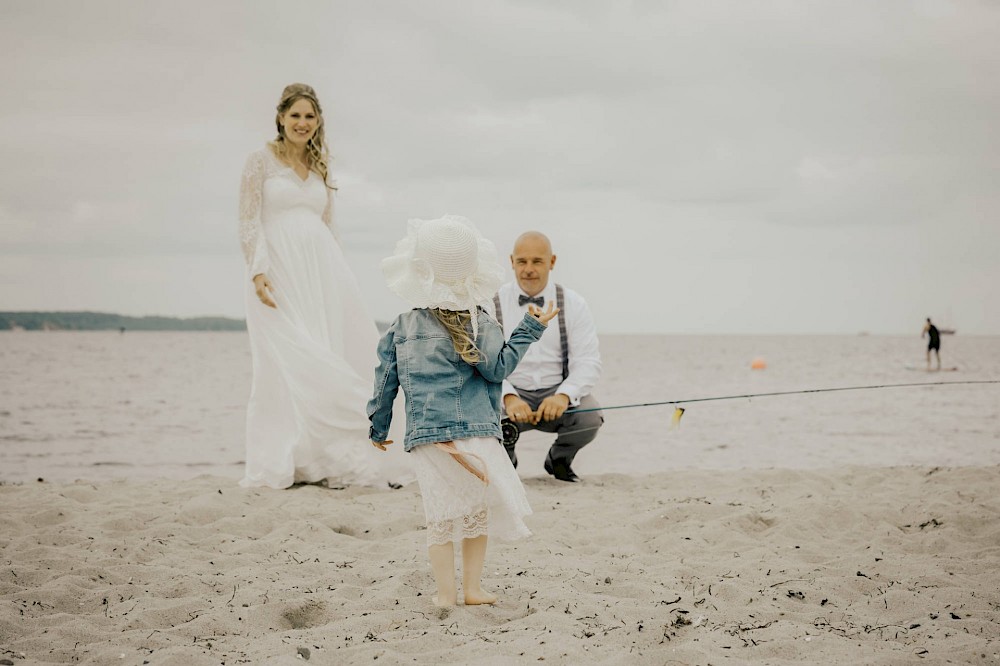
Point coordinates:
pixel 314 355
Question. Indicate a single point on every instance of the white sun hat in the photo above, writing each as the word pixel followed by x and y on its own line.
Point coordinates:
pixel 445 263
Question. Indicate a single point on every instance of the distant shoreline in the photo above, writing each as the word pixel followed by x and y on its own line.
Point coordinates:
pixel 107 321
pixel 104 321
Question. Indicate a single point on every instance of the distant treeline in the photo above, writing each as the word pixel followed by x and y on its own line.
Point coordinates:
pixel 103 321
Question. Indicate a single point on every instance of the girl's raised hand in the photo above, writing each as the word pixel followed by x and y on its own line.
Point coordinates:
pixel 543 316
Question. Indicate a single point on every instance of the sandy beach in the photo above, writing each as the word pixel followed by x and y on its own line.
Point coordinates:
pixel 853 565
pixel 860 527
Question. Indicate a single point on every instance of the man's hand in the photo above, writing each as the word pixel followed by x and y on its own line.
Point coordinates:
pixel 518 410
pixel 264 290
pixel 381 445
pixel 552 407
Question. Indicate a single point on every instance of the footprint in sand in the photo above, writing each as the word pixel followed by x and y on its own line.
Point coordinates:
pixel 312 614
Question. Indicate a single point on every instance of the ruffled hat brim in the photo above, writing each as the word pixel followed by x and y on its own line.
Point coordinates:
pixel 412 277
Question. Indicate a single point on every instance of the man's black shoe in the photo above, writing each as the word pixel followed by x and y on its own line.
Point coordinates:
pixel 561 471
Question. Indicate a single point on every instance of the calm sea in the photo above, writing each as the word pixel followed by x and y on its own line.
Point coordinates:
pixel 99 405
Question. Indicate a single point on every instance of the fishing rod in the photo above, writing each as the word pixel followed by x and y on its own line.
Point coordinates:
pixel 764 395
pixel 511 433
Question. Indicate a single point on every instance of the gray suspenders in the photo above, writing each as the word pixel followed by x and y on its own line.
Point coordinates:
pixel 563 338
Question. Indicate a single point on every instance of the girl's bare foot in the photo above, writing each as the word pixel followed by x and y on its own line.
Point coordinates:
pixel 443 601
pixel 478 597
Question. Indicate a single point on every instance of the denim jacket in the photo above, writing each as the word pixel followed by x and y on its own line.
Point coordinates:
pixel 446 398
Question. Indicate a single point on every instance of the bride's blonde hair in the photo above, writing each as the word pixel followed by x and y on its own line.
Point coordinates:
pixel 316 151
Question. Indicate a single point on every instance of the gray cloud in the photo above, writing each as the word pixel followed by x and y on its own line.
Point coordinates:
pixel 732 157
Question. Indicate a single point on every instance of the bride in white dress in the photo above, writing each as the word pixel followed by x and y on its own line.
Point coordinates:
pixel 311 338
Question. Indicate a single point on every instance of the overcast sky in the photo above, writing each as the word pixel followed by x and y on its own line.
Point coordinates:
pixel 701 167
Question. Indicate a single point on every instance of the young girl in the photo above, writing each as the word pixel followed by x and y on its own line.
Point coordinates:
pixel 449 356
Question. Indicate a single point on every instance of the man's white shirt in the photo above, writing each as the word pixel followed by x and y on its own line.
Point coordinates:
pixel 541 366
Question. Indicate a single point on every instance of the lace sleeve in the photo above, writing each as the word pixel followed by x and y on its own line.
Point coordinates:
pixel 251 198
pixel 328 214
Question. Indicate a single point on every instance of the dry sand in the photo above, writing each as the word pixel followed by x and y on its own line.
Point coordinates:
pixel 850 565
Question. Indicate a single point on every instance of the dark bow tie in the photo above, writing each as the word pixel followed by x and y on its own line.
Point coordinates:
pixel 537 300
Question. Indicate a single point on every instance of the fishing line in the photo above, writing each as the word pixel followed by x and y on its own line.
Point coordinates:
pixel 764 395
pixel 511 433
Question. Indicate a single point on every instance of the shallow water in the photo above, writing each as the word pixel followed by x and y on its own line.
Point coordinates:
pixel 98 405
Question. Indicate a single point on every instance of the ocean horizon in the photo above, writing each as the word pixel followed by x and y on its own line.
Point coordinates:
pixel 104 405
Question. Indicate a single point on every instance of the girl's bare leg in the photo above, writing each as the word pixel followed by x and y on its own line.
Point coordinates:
pixel 473 555
pixel 443 565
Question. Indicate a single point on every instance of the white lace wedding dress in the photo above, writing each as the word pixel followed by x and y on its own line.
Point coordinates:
pixel 314 355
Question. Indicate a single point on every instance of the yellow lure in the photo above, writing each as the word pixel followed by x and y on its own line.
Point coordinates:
pixel 675 420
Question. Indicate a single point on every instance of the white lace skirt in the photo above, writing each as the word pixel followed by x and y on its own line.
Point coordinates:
pixel 457 505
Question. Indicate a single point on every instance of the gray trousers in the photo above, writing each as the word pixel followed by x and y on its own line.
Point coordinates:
pixel 573 431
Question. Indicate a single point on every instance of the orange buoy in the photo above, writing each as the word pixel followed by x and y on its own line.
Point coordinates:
pixel 758 364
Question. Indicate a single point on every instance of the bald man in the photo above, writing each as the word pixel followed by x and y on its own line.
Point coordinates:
pixel 559 371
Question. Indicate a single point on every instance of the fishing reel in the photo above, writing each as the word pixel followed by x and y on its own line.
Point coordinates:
pixel 509 431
